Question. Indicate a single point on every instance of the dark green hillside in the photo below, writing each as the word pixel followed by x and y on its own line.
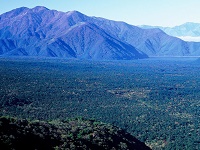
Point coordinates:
pixel 70 134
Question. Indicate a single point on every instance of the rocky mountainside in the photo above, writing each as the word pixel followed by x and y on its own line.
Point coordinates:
pixel 50 33
pixel 71 134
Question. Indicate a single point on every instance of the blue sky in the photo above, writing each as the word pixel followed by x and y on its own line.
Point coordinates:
pixel 136 12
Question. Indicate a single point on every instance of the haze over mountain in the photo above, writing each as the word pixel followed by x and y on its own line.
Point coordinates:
pixel 188 31
pixel 50 33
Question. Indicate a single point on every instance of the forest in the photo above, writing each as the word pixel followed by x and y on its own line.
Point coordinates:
pixel 157 100
pixel 69 134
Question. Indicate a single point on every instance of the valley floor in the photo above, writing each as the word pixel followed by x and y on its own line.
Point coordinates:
pixel 157 100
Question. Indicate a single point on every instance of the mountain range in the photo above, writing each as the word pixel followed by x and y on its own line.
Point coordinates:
pixel 187 29
pixel 49 33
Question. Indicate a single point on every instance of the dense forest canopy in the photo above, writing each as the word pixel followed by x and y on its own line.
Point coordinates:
pixel 70 134
pixel 156 100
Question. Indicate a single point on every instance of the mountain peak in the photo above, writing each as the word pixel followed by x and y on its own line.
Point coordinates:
pixel 74 13
pixel 39 8
pixel 17 10
pixel 191 25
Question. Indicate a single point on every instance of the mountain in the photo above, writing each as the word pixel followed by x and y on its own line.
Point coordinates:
pixel 153 42
pixel 75 133
pixel 50 33
pixel 187 31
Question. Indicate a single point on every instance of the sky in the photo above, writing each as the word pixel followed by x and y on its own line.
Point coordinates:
pixel 165 13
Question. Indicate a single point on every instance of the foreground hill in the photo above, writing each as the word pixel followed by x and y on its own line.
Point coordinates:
pixel 50 33
pixel 71 134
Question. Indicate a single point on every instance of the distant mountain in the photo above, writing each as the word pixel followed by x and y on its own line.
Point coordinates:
pixel 50 33
pixel 153 42
pixel 187 30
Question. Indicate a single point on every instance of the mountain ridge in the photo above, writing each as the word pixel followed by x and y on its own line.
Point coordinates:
pixel 43 32
pixel 72 21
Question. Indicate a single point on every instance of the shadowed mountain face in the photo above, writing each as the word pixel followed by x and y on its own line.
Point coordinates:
pixel 50 33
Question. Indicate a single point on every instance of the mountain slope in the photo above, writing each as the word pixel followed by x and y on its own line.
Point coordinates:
pixel 50 33
pixel 153 42
pixel 43 32
pixel 89 38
